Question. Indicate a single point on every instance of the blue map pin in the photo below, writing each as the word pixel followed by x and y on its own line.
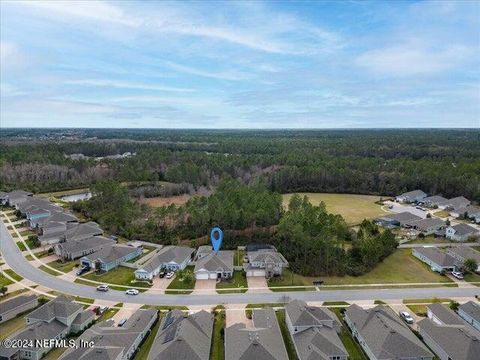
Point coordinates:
pixel 216 237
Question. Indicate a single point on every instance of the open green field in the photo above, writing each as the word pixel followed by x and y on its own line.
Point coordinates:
pixel 353 208
pixel 239 280
pixel 120 276
pixel 179 282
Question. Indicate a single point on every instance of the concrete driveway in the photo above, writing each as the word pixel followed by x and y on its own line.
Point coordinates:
pixel 398 208
pixel 159 285
pixel 257 284
pixel 235 314
pixel 203 287
pixel 125 312
pixel 398 306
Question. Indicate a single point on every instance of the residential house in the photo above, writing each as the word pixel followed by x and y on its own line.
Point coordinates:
pixel 182 336
pixel 468 212
pixel 470 312
pixel 411 196
pixel 461 232
pixel 314 331
pixel 113 342
pixel 171 258
pixel 110 257
pixel 427 226
pixel 75 249
pixel 454 203
pixel 216 265
pixel 433 201
pixel 203 251
pixel 448 335
pixel 263 342
pixel 437 260
pixel 57 217
pixel 397 219
pixel 383 336
pixel 10 309
pixel 53 320
pixel 265 262
pixel 71 231
pixel 17 197
pixel 462 253
pixel 3 197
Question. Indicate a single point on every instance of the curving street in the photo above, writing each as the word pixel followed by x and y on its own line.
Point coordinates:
pixel 14 258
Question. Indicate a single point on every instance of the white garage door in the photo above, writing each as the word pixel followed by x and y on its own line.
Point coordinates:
pixel 213 276
pixel 202 276
pixel 258 272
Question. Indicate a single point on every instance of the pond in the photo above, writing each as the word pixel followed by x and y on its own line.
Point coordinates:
pixel 77 197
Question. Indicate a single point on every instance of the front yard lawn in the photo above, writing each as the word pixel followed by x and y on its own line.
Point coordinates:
pixel 472 277
pixel 239 280
pixel 12 274
pixel 120 276
pixel 184 279
pixel 63 267
pixel 21 245
pixel 289 278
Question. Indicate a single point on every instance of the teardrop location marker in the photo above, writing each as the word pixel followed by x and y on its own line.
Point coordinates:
pixel 216 237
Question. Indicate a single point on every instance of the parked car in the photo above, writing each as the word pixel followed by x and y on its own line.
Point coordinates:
pixel 390 206
pixel 99 310
pixel 170 275
pixel 103 287
pixel 122 322
pixel 457 274
pixel 162 274
pixel 406 317
pixel 131 292
pixel 83 270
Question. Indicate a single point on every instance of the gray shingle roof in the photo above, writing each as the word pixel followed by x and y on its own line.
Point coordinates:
pixel 424 224
pixel 301 314
pixel 402 217
pixel 414 193
pixel 464 252
pixel 385 334
pixel 85 244
pixel 11 304
pixel 464 229
pixel 83 317
pixel 445 315
pixel 183 337
pixel 456 202
pixel 82 231
pixel 263 342
pixel 459 343
pixel 472 309
pixel 434 200
pixel 168 254
pixel 57 216
pixel 221 261
pixel 437 256
pixel 60 306
pixel 266 256
pixel 111 253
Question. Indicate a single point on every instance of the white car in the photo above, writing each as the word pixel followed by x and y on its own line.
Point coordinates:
pixel 170 275
pixel 131 292
pixel 103 287
pixel 406 317
pixel 457 275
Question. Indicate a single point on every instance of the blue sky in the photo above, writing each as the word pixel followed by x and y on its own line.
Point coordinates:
pixel 280 64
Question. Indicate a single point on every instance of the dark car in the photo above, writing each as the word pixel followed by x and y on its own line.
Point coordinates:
pixel 83 270
pixel 162 274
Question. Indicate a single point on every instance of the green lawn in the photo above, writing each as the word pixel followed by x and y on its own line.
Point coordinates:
pixel 287 340
pixel 144 348
pixel 420 310
pixel 430 239
pixel 120 276
pixel 63 267
pixel 400 267
pixel 84 300
pixel 21 245
pixel 218 347
pixel 426 301
pixel 239 280
pixel 472 277
pixel 11 326
pixel 9 295
pixel 335 303
pixel 353 208
pixel 289 278
pixel 179 282
pixel 441 213
pixel 352 346
pixel 238 257
pixel 4 281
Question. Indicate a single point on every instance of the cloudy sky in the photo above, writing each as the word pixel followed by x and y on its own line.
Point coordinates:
pixel 240 64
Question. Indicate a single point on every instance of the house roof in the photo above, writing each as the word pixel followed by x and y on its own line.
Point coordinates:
pixel 11 304
pixel 404 216
pixel 456 202
pixel 111 340
pixel 435 199
pixel 60 216
pixel 301 314
pixel 58 307
pixel 413 194
pixel 464 229
pixel 385 334
pixel 204 249
pixel 465 252
pixel 183 337
pixel 472 309
pixel 460 343
pixel 73 246
pixel 111 253
pixel 262 342
pixel 83 317
pixel 266 256
pixel 445 315
pixel 82 231
pixel 168 254
pixel 438 257
pixel 424 224
pixel 221 261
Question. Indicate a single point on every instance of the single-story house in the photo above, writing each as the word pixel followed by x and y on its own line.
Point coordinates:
pixel 427 226
pixel 442 315
pixel 411 196
pixel 462 253
pixel 397 219
pixel 461 232
pixel 57 216
pixel 314 331
pixel 17 197
pixel 457 202
pixel 216 265
pixel 265 262
pixel 433 201
pixel 436 259
pixel 470 312
pixel 171 258
pixel 203 251
pixel 18 305
pixel 110 257
pixel 74 249
pixel 469 212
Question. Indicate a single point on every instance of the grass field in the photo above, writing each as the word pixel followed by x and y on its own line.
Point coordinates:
pixel 120 276
pixel 218 351
pixel 289 278
pixel 178 282
pixel 239 280
pixel 166 201
pixel 353 208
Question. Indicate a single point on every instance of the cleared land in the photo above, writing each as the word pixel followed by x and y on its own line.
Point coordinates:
pixel 353 208
pixel 166 201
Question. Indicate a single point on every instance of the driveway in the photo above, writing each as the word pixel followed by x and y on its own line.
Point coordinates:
pixel 257 284
pixel 159 285
pixel 235 314
pixel 203 287
pixel 398 306
pixel 125 312
pixel 398 208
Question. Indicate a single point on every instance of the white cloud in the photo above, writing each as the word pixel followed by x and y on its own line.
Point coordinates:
pixel 222 75
pixel 126 85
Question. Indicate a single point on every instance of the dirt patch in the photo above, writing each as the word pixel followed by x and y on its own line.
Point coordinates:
pixel 166 201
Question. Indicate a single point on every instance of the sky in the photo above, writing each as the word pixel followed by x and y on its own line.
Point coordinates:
pixel 275 64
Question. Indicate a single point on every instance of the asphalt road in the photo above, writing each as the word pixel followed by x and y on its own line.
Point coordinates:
pixel 14 258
